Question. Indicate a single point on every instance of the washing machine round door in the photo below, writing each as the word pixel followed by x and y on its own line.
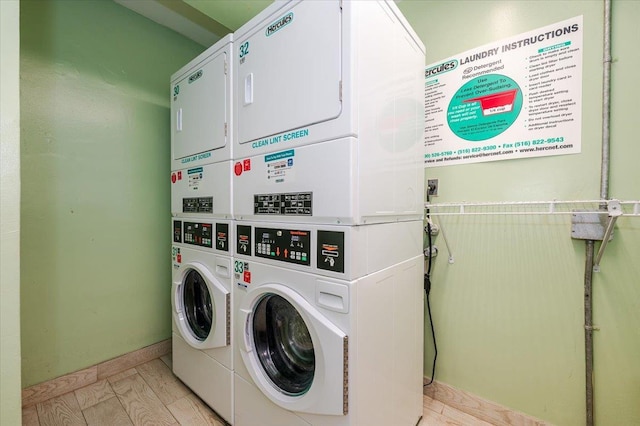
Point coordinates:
pixel 201 308
pixel 283 345
pixel 198 309
pixel 295 355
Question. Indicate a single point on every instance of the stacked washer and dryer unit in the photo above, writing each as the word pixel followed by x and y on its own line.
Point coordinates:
pixel 328 206
pixel 305 126
pixel 201 207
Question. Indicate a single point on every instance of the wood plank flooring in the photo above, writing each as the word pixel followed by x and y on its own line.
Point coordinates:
pixel 150 394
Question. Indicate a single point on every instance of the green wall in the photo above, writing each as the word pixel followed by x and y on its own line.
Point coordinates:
pixel 95 183
pixel 508 313
pixel 10 412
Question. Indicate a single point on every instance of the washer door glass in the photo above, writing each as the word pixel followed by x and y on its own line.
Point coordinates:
pixel 283 345
pixel 197 305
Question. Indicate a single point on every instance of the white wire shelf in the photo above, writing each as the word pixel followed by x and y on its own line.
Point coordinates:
pixel 554 207
pixel 612 209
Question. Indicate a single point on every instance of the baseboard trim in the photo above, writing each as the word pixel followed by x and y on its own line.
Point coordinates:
pixel 79 379
pixel 483 409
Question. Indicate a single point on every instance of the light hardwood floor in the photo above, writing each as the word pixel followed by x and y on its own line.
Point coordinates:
pixel 150 394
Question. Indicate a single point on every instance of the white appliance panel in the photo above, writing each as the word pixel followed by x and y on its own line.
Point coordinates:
pixel 343 252
pixel 345 184
pixel 289 70
pixel 330 182
pixel 391 124
pixel 204 375
pixel 199 119
pixel 261 411
pixel 201 99
pixel 383 322
pixel 202 191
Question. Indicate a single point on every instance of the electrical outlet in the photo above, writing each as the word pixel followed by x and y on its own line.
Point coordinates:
pixel 432 187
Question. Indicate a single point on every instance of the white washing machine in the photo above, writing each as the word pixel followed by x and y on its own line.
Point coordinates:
pixel 201 300
pixel 201 134
pixel 329 114
pixel 313 350
pixel 328 326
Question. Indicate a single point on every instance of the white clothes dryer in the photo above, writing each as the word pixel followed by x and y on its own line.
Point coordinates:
pixel 201 134
pixel 329 114
pixel 201 300
pixel 313 350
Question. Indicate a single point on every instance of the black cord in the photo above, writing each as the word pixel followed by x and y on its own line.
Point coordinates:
pixel 427 291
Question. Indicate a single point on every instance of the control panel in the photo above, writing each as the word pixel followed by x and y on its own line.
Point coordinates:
pixel 222 236
pixel 286 245
pixel 177 231
pixel 198 234
pixel 289 204
pixel 243 240
pixel 197 205
pixel 330 251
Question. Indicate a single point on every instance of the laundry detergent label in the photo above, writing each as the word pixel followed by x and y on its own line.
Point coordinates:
pixel 280 166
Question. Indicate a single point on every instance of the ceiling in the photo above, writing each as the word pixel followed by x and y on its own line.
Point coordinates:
pixel 203 21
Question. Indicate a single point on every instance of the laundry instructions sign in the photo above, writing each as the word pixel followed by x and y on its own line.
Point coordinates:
pixel 514 98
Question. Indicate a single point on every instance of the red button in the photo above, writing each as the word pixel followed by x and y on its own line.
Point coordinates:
pixel 173 178
pixel 247 277
pixel 237 168
pixel 179 258
pixel 180 175
pixel 247 164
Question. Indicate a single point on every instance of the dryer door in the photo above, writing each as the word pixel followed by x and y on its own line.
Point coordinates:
pixel 289 70
pixel 294 354
pixel 201 308
pixel 199 109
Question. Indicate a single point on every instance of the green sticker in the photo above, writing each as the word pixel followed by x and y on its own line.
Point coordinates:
pixel 484 107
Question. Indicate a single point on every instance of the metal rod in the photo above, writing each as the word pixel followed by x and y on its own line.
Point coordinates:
pixel 544 208
pixel 607 234
pixel 604 195
pixel 545 213
pixel 519 203
pixel 606 102
pixel 588 330
pixel 614 210
pixel 446 242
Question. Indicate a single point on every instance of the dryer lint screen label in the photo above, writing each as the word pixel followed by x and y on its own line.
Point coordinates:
pixel 280 166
